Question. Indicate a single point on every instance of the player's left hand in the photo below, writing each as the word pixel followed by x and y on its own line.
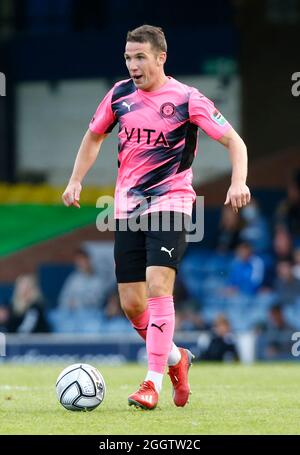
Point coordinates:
pixel 238 196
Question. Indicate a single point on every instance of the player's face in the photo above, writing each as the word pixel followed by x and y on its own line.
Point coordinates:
pixel 145 65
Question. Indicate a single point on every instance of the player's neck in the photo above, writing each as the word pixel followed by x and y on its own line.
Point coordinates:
pixel 159 83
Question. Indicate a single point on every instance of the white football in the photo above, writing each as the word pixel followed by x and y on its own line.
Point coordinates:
pixel 80 387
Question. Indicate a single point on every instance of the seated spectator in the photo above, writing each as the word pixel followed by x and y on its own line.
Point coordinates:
pixel 286 285
pixel 296 266
pixel 274 341
pixel 222 345
pixel 27 313
pixel 292 314
pixel 255 230
pixel 282 243
pixel 83 287
pixel 288 212
pixel 187 318
pixel 246 273
pixel 229 229
pixel 4 316
pixel 187 308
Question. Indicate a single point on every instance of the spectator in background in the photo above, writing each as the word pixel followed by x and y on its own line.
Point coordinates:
pixel 4 316
pixel 229 229
pixel 274 341
pixel 83 288
pixel 296 267
pixel 222 345
pixel 282 243
pixel 27 312
pixel 282 249
pixel 246 273
pixel 187 309
pixel 187 318
pixel 288 212
pixel 286 285
pixel 81 300
pixel 255 230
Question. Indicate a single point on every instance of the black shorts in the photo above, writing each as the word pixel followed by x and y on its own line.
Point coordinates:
pixel 152 244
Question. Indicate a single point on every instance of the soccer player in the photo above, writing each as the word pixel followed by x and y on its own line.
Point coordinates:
pixel 158 119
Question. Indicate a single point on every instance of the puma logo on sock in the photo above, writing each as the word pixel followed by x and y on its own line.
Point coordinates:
pixel 159 327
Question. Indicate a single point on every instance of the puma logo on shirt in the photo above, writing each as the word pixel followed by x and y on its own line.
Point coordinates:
pixel 127 105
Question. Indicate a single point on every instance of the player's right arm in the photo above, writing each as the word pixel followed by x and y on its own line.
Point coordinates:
pixel 86 156
pixel 101 124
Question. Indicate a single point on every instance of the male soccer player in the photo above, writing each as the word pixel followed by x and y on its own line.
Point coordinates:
pixel 158 119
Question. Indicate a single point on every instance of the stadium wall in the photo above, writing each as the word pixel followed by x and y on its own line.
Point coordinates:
pixel 53 117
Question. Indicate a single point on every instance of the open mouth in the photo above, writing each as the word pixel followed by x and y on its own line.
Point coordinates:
pixel 137 78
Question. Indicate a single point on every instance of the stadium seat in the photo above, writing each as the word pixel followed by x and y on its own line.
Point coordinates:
pixel 6 291
pixel 51 278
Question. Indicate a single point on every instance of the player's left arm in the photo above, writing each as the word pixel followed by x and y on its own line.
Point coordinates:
pixel 238 194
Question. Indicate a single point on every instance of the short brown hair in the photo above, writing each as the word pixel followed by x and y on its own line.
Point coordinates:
pixel 148 33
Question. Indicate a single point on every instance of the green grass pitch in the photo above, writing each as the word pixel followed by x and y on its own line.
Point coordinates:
pixel 226 399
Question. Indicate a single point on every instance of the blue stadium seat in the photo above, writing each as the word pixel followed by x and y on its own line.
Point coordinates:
pixel 80 320
pixel 51 278
pixel 292 314
pixel 6 291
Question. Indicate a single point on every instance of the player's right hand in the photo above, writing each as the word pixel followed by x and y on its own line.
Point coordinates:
pixel 71 194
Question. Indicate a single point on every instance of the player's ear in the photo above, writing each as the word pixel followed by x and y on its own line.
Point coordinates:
pixel 162 57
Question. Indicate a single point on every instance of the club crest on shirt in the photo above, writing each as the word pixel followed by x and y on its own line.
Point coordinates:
pixel 218 117
pixel 167 110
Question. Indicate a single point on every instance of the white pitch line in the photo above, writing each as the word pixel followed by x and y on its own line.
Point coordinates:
pixel 21 387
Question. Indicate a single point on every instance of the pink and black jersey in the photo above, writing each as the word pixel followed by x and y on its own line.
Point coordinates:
pixel 157 143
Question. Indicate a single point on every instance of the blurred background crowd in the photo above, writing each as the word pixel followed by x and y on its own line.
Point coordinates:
pixel 242 287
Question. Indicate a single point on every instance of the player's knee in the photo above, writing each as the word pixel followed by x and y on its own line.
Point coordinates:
pixel 132 305
pixel 159 281
pixel 157 289
pixel 132 308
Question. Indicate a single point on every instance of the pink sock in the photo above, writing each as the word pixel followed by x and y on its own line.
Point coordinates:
pixel 140 323
pixel 160 332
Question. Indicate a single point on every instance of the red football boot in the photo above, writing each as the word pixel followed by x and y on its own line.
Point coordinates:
pixel 179 376
pixel 146 397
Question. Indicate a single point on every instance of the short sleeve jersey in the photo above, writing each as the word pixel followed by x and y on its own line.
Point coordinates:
pixel 158 133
